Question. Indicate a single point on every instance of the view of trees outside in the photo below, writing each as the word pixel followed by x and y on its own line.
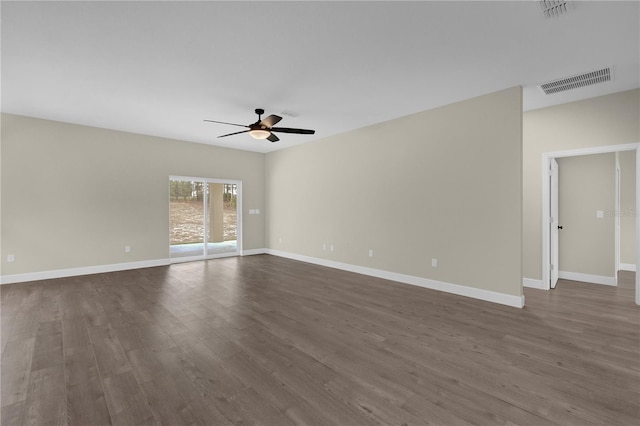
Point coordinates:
pixel 187 212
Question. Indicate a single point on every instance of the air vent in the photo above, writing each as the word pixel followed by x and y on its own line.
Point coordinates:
pixel 576 81
pixel 551 8
pixel 289 113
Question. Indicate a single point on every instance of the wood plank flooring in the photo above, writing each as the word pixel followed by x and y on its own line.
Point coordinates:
pixel 262 340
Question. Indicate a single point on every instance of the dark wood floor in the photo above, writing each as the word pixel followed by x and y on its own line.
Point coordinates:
pixel 265 340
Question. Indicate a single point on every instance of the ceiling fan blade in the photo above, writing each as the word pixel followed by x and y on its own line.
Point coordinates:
pixel 224 122
pixel 271 121
pixel 236 133
pixel 273 138
pixel 290 130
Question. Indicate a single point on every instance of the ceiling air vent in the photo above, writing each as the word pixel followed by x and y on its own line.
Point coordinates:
pixel 551 8
pixel 576 81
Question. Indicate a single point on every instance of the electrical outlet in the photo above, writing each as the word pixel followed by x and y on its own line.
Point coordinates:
pixel 127 249
pixel 370 253
pixel 331 247
pixel 434 262
pixel 324 247
pixel 11 258
pixel 280 240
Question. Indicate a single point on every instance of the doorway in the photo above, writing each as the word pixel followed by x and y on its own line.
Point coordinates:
pixel 204 218
pixel 549 195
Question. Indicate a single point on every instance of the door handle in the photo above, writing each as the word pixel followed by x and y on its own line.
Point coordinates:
pixel 559 226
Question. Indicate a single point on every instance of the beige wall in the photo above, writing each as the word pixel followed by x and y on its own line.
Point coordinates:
pixel 606 120
pixel 74 196
pixel 444 183
pixel 586 242
pixel 627 207
pixel 392 182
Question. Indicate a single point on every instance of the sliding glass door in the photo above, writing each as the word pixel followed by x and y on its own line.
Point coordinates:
pixel 222 218
pixel 204 218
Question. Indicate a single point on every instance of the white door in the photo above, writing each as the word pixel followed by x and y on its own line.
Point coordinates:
pixel 553 224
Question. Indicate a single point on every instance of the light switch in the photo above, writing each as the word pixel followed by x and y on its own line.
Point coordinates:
pixel 600 214
pixel 257 211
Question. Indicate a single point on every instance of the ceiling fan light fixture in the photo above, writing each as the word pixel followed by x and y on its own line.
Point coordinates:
pixel 259 133
pixel 264 129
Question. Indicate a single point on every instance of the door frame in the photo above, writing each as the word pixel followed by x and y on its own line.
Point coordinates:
pixel 617 216
pixel 554 235
pixel 546 193
pixel 206 181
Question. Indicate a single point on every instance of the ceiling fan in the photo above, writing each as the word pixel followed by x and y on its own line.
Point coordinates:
pixel 263 129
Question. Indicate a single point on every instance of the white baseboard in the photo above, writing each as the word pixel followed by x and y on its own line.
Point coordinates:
pixel 476 293
pixel 88 270
pixel 254 252
pixel 628 267
pixel 533 283
pixel 587 278
pixel 487 295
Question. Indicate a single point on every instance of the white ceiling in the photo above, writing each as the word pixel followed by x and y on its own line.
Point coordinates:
pixel 161 68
